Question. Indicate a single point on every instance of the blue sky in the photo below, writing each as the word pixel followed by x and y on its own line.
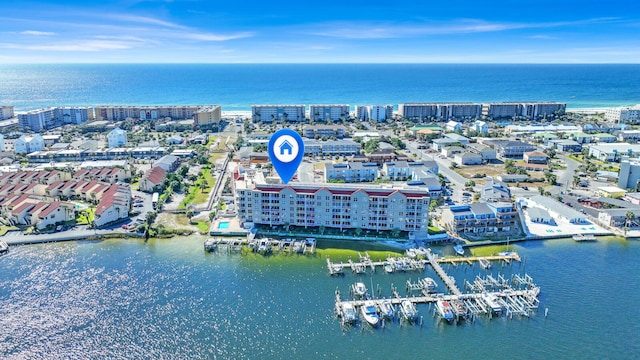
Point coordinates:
pixel 309 31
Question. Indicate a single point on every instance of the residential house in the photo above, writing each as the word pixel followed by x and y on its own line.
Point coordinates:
pixel 535 157
pixel 463 141
pixel 468 158
pixel 512 149
pixel 480 126
pixel 117 138
pixel 568 146
pixel 439 144
pixel 488 154
pixel 169 163
pixel 454 126
pixel 614 152
pixel 28 144
pixel 351 172
pixel 152 180
pixel 450 151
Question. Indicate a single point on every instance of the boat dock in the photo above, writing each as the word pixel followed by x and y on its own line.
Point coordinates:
pixel 410 264
pixel 449 281
pixel 263 245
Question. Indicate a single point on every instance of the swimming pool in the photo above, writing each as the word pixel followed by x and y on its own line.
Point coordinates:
pixel 223 225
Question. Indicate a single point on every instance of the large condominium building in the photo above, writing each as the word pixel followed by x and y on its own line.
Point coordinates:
pixel 440 111
pixel 49 118
pixel 277 113
pixel 329 112
pixel 351 172
pixel 117 113
pixel 528 110
pixel 341 206
pixel 374 112
pixel 480 217
pixel 331 147
pixel 627 114
pixel 208 117
pixel 6 112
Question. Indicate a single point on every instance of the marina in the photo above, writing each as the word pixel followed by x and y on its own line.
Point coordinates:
pixel 584 237
pixel 486 295
pixel 263 246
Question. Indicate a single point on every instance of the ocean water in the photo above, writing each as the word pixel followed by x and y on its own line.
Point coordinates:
pixel 238 86
pixel 169 299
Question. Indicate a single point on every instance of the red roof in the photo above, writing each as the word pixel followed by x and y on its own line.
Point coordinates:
pixel 23 207
pixel 55 185
pixel 38 206
pixel 156 175
pixel 51 208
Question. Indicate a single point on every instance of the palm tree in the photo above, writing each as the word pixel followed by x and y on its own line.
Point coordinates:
pixel 629 216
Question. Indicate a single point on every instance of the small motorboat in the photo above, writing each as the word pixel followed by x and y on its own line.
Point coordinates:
pixel 388 268
pixel 4 247
pixel 408 310
pixel 492 301
pixel 369 313
pixel 359 290
pixel 484 263
pixel 385 308
pixel 429 284
pixel 445 310
pixel 348 313
pixel 458 249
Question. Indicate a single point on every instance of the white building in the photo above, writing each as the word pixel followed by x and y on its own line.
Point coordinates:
pixel 454 126
pixel 277 113
pixel 38 120
pixel 74 115
pixel 627 114
pixel 374 112
pixel 614 151
pixel 117 138
pixel 480 126
pixel 6 112
pixel 329 112
pixel 1 142
pixel 209 116
pixel 28 144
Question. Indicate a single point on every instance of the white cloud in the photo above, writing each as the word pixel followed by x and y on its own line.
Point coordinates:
pixel 37 33
pixel 215 37
pixel 89 45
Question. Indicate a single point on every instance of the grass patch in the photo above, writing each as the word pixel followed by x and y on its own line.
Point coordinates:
pixel 211 140
pixel 4 229
pixel 489 169
pixel 435 230
pixel 487 250
pixel 213 157
pixel 203 226
pixel 196 195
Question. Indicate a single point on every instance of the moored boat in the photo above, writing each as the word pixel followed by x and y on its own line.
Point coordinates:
pixel 492 301
pixel 359 290
pixel 458 249
pixel 369 314
pixel 581 237
pixel 386 310
pixel 348 313
pixel 408 310
pixel 388 268
pixel 445 310
pixel 484 263
pixel 429 284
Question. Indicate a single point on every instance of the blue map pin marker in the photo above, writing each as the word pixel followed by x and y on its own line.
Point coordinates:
pixel 286 150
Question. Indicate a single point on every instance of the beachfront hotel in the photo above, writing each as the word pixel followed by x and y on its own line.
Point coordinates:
pixel 628 114
pixel 117 113
pixel 52 117
pixel 440 111
pixel 277 113
pixel 374 112
pixel 208 116
pixel 327 112
pixel 6 112
pixel 528 110
pixel 266 201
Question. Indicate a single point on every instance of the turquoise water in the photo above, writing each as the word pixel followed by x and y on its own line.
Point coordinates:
pixel 237 87
pixel 223 225
pixel 169 299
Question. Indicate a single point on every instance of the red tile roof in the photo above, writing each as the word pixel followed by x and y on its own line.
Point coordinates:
pixel 23 207
pixel 38 207
pixel 156 175
pixel 49 209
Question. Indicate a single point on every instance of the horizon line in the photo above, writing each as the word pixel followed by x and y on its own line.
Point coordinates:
pixel 320 63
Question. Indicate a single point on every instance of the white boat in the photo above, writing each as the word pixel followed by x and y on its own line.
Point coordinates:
pixel 458 249
pixel 459 308
pixel 492 301
pixel 408 310
pixel 4 247
pixel 336 269
pixel 348 313
pixel 581 237
pixel 386 310
pixel 445 310
pixel 369 314
pixel 429 284
pixel 388 268
pixel 484 263
pixel 359 290
pixel 411 253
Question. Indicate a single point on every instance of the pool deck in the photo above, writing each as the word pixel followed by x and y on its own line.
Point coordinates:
pixel 231 227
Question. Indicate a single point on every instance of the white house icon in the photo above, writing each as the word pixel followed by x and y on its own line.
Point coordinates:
pixel 286 146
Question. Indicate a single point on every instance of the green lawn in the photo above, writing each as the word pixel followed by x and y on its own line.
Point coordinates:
pixel 196 195
pixel 203 226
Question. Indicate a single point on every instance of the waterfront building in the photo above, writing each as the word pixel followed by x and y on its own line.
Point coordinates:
pixel 28 144
pixel 6 112
pixel 320 131
pixel 208 117
pixel 480 217
pixel 528 110
pixel 340 206
pixel 625 114
pixel 556 208
pixel 118 113
pixel 614 152
pixel 152 180
pixel 351 172
pixel 374 112
pixel 38 120
pixel 116 138
pixel 74 115
pixel 327 112
pixel 277 113
pixel 495 190
pixel 440 111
